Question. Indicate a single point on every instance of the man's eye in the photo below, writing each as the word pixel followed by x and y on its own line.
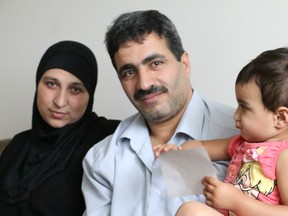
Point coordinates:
pixel 127 74
pixel 156 63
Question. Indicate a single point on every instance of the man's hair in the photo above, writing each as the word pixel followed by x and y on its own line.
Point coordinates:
pixel 270 71
pixel 135 26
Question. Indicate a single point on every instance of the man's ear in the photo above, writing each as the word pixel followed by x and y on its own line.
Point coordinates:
pixel 186 63
pixel 281 117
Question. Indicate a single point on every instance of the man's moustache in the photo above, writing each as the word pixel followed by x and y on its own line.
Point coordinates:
pixel 153 89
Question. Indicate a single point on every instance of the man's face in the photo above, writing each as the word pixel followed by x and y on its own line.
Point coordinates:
pixel 155 82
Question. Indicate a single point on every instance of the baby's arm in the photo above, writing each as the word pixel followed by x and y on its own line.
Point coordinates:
pixel 217 149
pixel 160 148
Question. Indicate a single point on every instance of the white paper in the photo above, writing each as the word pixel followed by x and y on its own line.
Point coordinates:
pixel 184 170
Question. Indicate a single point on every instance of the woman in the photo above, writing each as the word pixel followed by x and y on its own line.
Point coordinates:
pixel 41 168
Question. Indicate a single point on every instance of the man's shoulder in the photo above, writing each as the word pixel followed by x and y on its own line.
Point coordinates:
pixel 105 145
pixel 215 107
pixel 130 119
pixel 220 119
pixel 99 150
pixel 209 106
pixel 211 109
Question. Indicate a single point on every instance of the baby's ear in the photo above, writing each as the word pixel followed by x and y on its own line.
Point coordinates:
pixel 281 117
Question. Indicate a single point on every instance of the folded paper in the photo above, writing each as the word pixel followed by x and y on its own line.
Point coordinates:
pixel 184 170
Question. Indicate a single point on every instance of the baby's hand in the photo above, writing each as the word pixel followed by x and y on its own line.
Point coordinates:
pixel 160 148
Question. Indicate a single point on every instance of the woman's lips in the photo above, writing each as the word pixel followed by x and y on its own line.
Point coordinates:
pixel 57 114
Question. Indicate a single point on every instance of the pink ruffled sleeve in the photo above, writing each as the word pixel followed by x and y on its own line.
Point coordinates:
pixel 233 144
pixel 268 158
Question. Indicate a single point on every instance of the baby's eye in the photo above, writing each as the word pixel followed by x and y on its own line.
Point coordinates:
pixel 244 108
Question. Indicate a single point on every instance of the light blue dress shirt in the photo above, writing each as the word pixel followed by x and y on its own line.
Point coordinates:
pixel 121 175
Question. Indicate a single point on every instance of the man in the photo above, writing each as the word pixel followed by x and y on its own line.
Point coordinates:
pixel 121 175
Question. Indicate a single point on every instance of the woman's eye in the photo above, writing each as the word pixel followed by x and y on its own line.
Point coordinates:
pixel 51 84
pixel 76 90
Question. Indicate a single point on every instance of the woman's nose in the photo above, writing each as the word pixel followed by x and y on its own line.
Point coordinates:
pixel 60 99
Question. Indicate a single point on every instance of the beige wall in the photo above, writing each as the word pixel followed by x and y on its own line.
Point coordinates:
pixel 221 36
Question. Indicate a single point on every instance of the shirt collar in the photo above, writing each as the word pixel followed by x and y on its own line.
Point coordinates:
pixel 193 118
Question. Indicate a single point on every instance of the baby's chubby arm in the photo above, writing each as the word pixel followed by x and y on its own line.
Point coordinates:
pixel 217 149
pixel 160 148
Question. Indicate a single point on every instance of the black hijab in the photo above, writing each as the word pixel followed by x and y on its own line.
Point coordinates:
pixel 48 149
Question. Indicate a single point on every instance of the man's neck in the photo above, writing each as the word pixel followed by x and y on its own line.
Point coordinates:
pixel 161 132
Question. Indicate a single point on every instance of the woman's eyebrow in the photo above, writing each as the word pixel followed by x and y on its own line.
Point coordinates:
pixel 49 78
pixel 77 84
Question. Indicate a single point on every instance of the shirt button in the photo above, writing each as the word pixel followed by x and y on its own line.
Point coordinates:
pixel 157 192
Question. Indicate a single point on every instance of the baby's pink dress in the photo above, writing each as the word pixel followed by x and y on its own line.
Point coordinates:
pixel 253 168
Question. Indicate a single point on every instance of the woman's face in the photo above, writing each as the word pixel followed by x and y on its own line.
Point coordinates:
pixel 61 98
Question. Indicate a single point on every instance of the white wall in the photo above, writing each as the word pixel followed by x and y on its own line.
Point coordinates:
pixel 220 35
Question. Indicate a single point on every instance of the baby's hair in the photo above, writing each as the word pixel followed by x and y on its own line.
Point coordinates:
pixel 270 72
